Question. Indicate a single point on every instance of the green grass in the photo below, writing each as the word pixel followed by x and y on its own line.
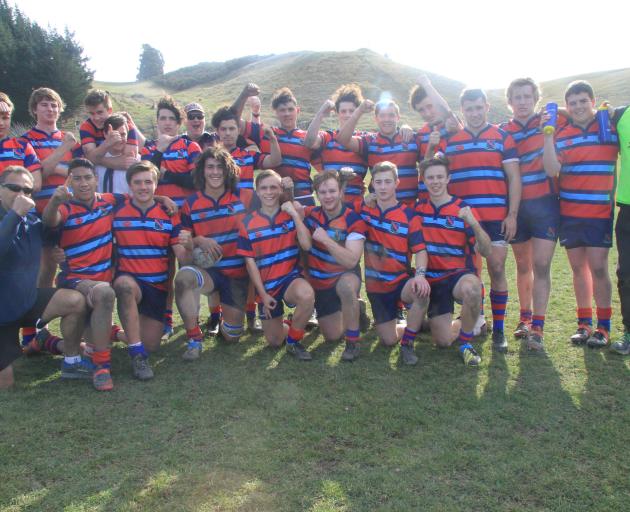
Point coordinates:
pixel 249 428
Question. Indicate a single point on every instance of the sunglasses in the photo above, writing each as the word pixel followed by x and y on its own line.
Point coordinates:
pixel 17 188
pixel 192 117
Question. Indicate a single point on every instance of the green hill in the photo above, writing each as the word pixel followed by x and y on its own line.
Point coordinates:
pixel 314 76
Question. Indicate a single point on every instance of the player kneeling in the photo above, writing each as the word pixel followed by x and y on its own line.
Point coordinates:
pixel 213 216
pixel 394 232
pixel 452 234
pixel 338 237
pixel 270 239
pixel 144 233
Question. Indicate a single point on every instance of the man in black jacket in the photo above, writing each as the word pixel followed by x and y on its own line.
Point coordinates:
pixel 21 302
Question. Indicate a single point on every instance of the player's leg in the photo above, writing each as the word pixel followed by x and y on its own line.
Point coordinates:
pixel 300 293
pixel 498 293
pixel 467 291
pixel 415 315
pixel 622 234
pixel 190 283
pixel 583 289
pixel 602 293
pixel 524 283
pixel 347 289
pixel 542 250
pixel 100 298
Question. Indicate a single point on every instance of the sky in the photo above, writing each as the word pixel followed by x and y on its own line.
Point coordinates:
pixel 484 43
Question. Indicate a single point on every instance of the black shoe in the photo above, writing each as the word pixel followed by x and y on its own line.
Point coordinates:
pixel 365 322
pixel 408 355
pixel 212 326
pixel 582 335
pixel 351 352
pixel 299 352
pixel 499 343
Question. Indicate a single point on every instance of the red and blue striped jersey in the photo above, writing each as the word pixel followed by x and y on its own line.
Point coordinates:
pixel 44 145
pixel 335 156
pixel 476 169
pixel 179 157
pixel 86 238
pixel 529 146
pixel 143 240
pixel 273 244
pixel 296 157
pixel 247 162
pixel 375 148
pixel 18 151
pixel 220 220
pixel 392 235
pixel 449 240
pixel 323 269
pixel 90 134
pixel 587 175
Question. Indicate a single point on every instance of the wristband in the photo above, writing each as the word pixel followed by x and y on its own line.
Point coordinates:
pixel 421 271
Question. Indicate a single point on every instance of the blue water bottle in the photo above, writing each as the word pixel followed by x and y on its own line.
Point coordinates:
pixel 603 120
pixel 550 126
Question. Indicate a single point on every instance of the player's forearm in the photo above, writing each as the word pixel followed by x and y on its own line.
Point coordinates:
pixel 312 139
pixel 421 260
pixel 274 158
pixel 347 130
pixel 483 244
pixel 514 187
pixel 303 234
pixel 343 255
pixel 254 276
pixel 50 215
pixel 37 181
pixel 550 158
pixel 49 164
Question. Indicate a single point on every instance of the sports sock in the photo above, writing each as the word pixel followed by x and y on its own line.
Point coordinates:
pixel 526 316
pixel 102 358
pixel 585 316
pixel 352 336
pixel 498 299
pixel 294 336
pixel 195 334
pixel 250 310
pixel 51 344
pixel 603 318
pixel 408 336
pixel 538 322
pixel 137 348
pixel 72 359
pixel 168 317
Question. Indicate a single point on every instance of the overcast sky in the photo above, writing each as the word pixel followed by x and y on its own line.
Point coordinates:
pixel 483 43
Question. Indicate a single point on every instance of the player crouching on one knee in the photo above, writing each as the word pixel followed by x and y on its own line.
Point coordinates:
pixel 270 240
pixel 338 238
pixel 213 216
pixel 452 235
pixel 393 232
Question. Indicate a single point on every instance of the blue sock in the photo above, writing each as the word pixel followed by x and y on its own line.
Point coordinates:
pixel 137 349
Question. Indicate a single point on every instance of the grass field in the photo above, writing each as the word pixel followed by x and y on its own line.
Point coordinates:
pixel 248 428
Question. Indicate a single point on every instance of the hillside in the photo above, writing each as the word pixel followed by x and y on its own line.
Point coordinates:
pixel 314 76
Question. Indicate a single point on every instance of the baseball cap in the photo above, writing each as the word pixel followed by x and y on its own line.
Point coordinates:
pixel 192 107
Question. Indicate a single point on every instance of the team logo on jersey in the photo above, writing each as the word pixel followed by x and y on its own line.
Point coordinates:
pixel 490 145
pixel 450 221
pixel 258 234
pixel 202 215
pixel 394 227
pixel 230 208
pixel 78 221
pixel 158 225
pixel 459 147
pixel 285 227
pixel 127 223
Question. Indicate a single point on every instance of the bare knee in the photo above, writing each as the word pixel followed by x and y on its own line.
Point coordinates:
pixel 600 273
pixel 185 280
pixel 305 296
pixel 103 296
pixel 75 302
pixel 124 286
pixel 347 289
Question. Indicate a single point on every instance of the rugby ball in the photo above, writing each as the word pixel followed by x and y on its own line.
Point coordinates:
pixel 202 258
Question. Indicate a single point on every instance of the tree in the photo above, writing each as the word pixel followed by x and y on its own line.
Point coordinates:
pixel 33 57
pixel 151 63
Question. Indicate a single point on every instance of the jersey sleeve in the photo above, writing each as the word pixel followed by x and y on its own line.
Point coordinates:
pixel 185 217
pixel 193 153
pixel 177 227
pixel 509 149
pixel 244 246
pixel 415 240
pixel 253 132
pixel 86 133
